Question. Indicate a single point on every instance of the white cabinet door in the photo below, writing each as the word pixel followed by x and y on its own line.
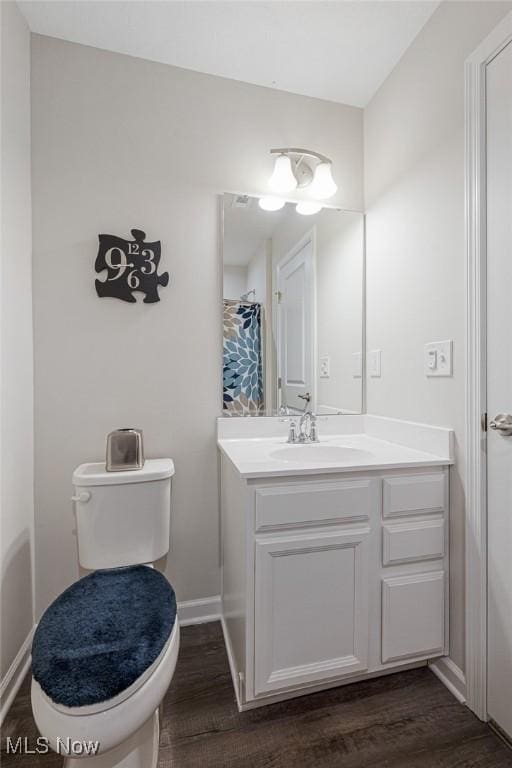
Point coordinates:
pixel 413 615
pixel 311 607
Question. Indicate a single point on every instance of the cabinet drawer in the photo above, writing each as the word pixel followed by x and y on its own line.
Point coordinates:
pixel 413 540
pixel 414 494
pixel 315 503
pixel 413 615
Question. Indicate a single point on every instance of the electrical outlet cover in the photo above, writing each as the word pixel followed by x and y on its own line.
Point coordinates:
pixel 438 358
pixel 374 360
pixel 325 367
pixel 357 365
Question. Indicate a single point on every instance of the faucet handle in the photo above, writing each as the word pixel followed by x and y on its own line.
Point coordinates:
pixel 292 434
pixel 314 430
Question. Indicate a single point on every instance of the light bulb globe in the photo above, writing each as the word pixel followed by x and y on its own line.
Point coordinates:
pixel 283 179
pixel 271 203
pixel 308 208
pixel 323 184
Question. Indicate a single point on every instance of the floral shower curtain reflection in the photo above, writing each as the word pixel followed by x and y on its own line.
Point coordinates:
pixel 242 373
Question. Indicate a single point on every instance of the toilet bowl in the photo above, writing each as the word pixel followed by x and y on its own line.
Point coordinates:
pixel 105 651
pixel 127 730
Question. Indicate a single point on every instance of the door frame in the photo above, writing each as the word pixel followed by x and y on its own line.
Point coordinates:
pixel 308 237
pixel 476 395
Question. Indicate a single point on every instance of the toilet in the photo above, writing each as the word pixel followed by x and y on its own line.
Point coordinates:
pixel 105 651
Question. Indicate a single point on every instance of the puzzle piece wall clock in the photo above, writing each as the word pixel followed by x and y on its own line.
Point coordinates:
pixel 132 265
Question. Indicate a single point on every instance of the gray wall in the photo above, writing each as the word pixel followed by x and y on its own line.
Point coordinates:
pixel 414 189
pixel 16 411
pixel 120 142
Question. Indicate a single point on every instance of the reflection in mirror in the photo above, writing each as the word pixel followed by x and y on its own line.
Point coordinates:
pixel 293 310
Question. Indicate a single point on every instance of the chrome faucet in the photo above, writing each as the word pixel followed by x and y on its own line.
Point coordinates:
pixel 307 430
pixel 305 427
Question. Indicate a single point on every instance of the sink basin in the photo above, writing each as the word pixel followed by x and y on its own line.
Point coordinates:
pixel 320 454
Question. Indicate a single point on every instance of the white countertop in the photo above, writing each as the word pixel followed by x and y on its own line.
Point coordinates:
pixel 273 457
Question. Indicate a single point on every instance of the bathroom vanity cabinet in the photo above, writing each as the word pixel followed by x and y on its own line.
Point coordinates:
pixel 330 578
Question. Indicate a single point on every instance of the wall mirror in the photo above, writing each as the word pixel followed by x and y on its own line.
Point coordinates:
pixel 293 302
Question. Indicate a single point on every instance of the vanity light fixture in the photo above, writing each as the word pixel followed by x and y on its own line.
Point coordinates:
pixel 307 208
pixel 271 203
pixel 283 179
pixel 293 169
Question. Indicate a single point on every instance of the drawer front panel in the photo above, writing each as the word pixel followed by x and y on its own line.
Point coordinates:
pixel 414 494
pixel 413 615
pixel 414 540
pixel 315 503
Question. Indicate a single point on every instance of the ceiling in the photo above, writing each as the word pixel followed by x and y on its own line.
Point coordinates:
pixel 341 51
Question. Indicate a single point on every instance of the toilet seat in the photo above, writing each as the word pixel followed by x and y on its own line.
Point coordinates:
pixel 102 638
pixel 103 706
pixel 114 723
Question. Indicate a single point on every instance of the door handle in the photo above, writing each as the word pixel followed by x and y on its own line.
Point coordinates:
pixel 502 422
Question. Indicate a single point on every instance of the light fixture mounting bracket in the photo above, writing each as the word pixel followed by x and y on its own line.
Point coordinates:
pixel 299 153
pixel 301 169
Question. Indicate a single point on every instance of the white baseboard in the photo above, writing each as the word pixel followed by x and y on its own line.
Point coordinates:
pixel 199 611
pixel 15 675
pixel 451 676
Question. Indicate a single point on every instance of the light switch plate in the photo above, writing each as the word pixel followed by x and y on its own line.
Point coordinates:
pixel 374 358
pixel 325 367
pixel 357 365
pixel 438 358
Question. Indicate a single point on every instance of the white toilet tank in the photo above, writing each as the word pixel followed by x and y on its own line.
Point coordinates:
pixel 123 518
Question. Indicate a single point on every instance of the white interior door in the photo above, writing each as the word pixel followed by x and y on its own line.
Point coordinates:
pixel 295 280
pixel 499 386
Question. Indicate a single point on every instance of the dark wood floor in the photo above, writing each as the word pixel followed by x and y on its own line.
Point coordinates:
pixel 406 720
